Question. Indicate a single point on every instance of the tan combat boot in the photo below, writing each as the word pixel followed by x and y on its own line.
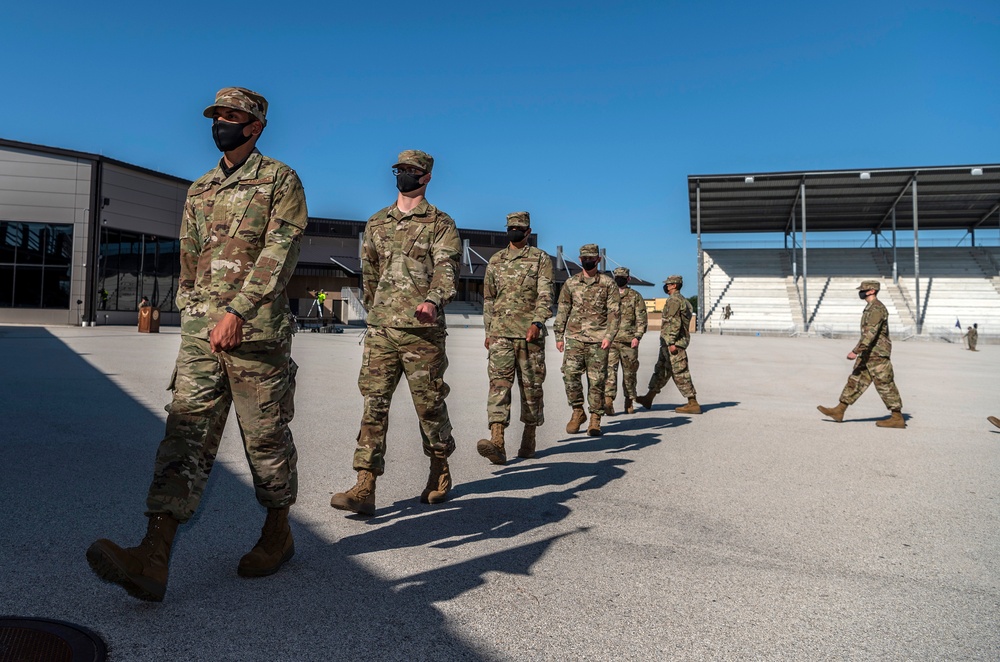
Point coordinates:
pixel 692 407
pixel 609 407
pixel 492 449
pixel 438 482
pixel 527 449
pixel 994 420
pixel 594 429
pixel 895 420
pixel 578 419
pixel 140 570
pixel 274 547
pixel 836 413
pixel 629 409
pixel 646 400
pixel 359 499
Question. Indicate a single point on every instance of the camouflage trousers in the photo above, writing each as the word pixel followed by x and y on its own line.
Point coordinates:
pixel 876 369
pixel 259 379
pixel 672 366
pixel 389 354
pixel 507 357
pixel 585 357
pixel 624 353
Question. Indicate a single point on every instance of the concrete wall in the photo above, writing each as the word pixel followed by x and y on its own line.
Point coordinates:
pixel 41 188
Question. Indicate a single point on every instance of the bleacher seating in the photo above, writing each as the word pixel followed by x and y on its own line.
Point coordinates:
pixel 955 284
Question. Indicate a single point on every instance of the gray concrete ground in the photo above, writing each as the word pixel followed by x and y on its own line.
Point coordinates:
pixel 757 530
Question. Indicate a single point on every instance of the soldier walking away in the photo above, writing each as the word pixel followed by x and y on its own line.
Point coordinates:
pixel 586 323
pixel 972 335
pixel 239 243
pixel 517 299
pixel 411 251
pixel 871 362
pixel 672 362
pixel 625 347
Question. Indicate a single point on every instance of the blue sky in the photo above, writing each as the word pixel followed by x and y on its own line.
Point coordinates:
pixel 589 115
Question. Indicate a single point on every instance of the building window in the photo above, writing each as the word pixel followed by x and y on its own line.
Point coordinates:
pixel 136 265
pixel 35 262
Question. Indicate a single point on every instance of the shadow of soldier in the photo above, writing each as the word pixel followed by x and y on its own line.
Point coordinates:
pixel 614 428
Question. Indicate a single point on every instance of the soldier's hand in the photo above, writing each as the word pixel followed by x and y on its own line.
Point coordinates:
pixel 559 345
pixel 427 312
pixel 605 343
pixel 672 349
pixel 486 343
pixel 227 335
pixel 851 356
pixel 635 343
pixel 532 334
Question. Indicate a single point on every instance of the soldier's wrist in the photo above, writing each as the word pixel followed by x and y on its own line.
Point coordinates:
pixel 233 311
pixel 540 325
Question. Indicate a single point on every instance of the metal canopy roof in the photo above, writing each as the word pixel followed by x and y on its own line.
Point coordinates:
pixel 948 198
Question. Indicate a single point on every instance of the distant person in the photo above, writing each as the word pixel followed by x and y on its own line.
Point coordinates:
pixel 672 363
pixel 586 323
pixel 517 299
pixel 411 250
pixel 144 302
pixel 321 303
pixel 972 337
pixel 236 343
pixel 104 298
pixel 625 347
pixel 727 312
pixel 871 362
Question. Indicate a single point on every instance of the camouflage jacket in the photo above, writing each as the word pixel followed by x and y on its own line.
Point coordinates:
pixel 239 244
pixel 588 309
pixel 874 331
pixel 675 324
pixel 632 323
pixel 517 291
pixel 409 259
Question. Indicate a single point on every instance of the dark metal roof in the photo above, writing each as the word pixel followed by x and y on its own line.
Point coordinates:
pixel 948 198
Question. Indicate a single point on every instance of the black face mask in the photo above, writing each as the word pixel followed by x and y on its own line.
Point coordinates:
pixel 862 295
pixel 622 281
pixel 665 290
pixel 228 136
pixel 406 182
pixel 516 235
pixel 589 264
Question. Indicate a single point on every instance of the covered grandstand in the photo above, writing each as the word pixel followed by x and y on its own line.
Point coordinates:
pixel 797 285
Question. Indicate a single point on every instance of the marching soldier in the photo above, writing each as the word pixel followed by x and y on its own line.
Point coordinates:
pixel 517 299
pixel 871 362
pixel 411 251
pixel 675 336
pixel 242 225
pixel 586 323
pixel 625 347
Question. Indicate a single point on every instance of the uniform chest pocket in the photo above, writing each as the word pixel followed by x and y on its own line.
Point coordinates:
pixel 248 209
pixel 415 240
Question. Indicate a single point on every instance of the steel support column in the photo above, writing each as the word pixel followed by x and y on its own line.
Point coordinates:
pixel 895 269
pixel 916 254
pixel 701 262
pixel 805 262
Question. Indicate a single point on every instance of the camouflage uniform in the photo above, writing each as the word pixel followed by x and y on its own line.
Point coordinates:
pixel 973 336
pixel 517 293
pixel 408 259
pixel 674 330
pixel 588 314
pixel 239 244
pixel 632 326
pixel 873 364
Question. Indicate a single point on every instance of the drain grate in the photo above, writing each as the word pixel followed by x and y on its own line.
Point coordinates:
pixel 45 640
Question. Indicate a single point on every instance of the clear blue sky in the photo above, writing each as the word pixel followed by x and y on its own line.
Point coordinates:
pixel 589 115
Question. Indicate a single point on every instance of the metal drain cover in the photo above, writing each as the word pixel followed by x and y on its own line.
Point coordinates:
pixel 45 640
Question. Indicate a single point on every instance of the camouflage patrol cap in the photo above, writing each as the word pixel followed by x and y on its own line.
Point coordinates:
pixel 621 272
pixel 870 285
pixel 240 98
pixel 674 280
pixel 519 219
pixel 590 250
pixel 415 158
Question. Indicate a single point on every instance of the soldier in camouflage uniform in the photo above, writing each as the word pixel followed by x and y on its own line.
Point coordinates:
pixel 972 335
pixel 239 243
pixel 675 336
pixel 586 323
pixel 410 252
pixel 871 362
pixel 517 299
pixel 625 347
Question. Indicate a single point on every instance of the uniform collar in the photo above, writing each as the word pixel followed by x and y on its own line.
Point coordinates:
pixel 421 209
pixel 517 252
pixel 248 170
